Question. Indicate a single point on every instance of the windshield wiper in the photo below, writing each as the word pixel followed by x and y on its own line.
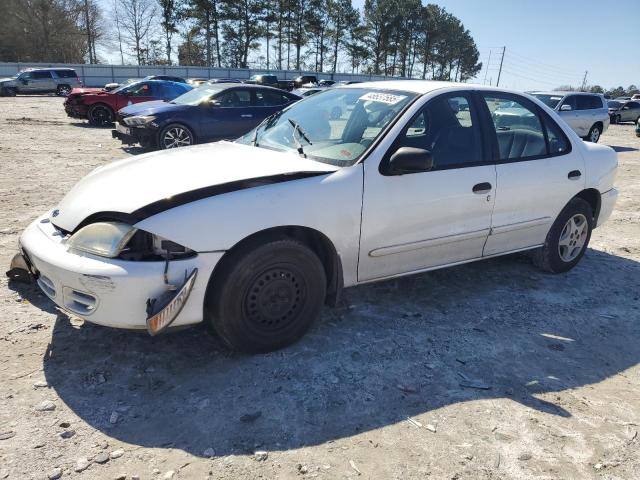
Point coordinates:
pixel 297 128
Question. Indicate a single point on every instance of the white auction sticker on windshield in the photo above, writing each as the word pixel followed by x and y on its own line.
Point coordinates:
pixel 387 98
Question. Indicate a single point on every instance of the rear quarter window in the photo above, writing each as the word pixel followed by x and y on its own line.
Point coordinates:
pixel 65 73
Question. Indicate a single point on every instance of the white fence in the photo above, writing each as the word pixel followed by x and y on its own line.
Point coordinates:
pixel 98 75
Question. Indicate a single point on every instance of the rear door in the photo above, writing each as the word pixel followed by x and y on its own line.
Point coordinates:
pixel 267 102
pixel 537 174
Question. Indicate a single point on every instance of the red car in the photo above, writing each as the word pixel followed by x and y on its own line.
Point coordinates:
pixel 100 106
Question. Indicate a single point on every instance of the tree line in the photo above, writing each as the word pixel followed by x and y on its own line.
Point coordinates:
pixel 612 92
pixel 391 37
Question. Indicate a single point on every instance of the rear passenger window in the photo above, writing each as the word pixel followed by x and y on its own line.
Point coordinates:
pixel 66 73
pixel 518 127
pixel 587 102
pixel 270 99
pixel 41 75
pixel 447 128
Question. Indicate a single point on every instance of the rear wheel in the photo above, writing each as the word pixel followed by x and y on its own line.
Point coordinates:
pixel 568 238
pixel 63 90
pixel 175 135
pixel 100 115
pixel 265 296
pixel 594 134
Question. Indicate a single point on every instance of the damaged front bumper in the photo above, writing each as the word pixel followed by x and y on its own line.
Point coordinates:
pixel 114 292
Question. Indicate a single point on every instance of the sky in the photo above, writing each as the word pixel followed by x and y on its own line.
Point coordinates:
pixel 548 42
pixel 553 42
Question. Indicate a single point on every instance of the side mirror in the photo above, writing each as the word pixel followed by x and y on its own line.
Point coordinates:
pixel 566 108
pixel 410 160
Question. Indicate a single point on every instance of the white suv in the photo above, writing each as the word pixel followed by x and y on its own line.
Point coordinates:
pixel 586 113
pixel 254 236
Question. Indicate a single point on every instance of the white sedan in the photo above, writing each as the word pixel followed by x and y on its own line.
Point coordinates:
pixel 254 236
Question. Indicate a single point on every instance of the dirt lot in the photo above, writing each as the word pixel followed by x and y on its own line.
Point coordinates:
pixel 492 370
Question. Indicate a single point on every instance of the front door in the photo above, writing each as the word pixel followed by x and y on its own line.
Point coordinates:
pixel 418 221
pixel 572 116
pixel 538 173
pixel 231 115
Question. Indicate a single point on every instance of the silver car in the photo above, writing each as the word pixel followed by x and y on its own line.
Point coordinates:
pixel 624 111
pixel 41 80
pixel 586 113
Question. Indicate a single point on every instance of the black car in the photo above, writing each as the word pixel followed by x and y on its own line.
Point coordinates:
pixel 205 114
pixel 304 79
pixel 266 80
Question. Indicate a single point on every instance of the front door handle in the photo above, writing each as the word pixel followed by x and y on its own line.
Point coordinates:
pixel 481 188
pixel 247 115
pixel 574 174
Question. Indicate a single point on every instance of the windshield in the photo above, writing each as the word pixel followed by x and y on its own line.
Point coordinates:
pixel 614 104
pixel 335 126
pixel 198 95
pixel 550 101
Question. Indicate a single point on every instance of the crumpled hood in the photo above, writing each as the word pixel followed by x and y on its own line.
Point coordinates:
pixel 126 186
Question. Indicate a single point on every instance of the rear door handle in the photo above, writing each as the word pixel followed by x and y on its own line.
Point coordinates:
pixel 247 115
pixel 480 188
pixel 574 174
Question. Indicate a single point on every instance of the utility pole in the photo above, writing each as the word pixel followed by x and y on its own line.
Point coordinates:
pixel 484 82
pixel 504 49
pixel 89 41
pixel 584 80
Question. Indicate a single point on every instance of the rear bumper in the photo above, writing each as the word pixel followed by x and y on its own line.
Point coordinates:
pixel 607 203
pixel 108 291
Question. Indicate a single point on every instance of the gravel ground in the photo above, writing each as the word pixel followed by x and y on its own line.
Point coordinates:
pixel 492 370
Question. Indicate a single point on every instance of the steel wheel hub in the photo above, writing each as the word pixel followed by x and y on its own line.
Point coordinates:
pixel 274 298
pixel 176 137
pixel 573 237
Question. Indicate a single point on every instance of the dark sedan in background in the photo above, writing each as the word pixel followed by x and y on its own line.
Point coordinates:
pixel 207 113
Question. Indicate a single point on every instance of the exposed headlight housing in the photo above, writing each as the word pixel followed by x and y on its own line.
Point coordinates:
pixel 139 120
pixel 105 239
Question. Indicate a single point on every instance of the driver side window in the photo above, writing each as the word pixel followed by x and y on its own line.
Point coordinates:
pixel 447 128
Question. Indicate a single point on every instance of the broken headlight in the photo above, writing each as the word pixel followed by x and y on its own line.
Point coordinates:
pixel 105 239
pixel 145 246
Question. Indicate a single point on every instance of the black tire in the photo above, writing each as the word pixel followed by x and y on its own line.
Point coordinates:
pixel 182 135
pixel 549 256
pixel 63 90
pixel 266 295
pixel 615 119
pixel 100 115
pixel 9 92
pixel 594 134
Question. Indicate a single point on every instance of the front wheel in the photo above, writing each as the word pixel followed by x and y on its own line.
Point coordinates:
pixel 174 136
pixel 615 119
pixel 568 238
pixel 100 115
pixel 594 134
pixel 266 295
pixel 9 91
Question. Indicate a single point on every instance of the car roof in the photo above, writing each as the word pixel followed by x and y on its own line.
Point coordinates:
pixel 422 86
pixel 563 93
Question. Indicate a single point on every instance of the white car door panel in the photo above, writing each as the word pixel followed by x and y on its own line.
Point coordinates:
pixel 417 221
pixel 423 220
pixel 538 173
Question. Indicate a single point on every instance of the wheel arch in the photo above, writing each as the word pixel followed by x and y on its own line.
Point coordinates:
pixel 593 198
pixel 176 121
pixel 318 242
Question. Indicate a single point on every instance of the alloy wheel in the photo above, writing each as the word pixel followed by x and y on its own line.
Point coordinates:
pixel 100 116
pixel 176 137
pixel 594 136
pixel 573 237
pixel 64 90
